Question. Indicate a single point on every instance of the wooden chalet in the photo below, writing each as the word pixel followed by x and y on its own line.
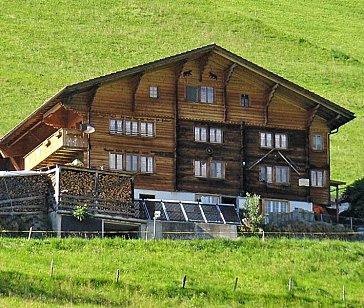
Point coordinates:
pixel 204 125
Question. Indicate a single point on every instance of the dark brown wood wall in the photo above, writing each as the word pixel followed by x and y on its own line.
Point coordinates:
pixel 190 150
pixel 295 153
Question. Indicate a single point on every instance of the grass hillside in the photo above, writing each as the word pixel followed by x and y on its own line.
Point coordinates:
pixel 151 273
pixel 45 45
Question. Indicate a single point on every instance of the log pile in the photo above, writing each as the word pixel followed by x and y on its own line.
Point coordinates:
pixel 77 183
pixel 23 194
pixel 99 190
pixel 115 187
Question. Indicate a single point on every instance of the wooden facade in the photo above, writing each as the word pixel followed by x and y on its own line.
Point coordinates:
pixel 244 128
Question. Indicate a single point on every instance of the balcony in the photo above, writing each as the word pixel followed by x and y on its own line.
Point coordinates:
pixel 62 147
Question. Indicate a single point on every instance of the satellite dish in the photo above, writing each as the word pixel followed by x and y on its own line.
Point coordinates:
pixel 87 128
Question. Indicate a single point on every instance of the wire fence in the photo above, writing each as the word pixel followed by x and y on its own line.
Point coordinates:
pixel 149 235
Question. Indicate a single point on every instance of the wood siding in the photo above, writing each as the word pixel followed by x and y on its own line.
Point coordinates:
pixel 227 152
pixel 273 108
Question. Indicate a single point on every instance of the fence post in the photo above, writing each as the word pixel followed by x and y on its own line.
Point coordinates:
pixel 30 233
pixel 344 299
pixel 236 283
pixel 52 268
pixel 290 285
pixel 184 282
pixel 351 223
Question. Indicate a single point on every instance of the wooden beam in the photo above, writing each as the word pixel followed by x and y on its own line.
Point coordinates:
pixel 269 101
pixel 26 132
pixel 228 73
pixel 311 114
pixel 179 68
pixel 329 123
pixel 203 60
pixel 135 85
pixel 15 163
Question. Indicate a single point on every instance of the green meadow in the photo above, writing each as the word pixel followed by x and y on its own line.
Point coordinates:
pixel 151 273
pixel 46 45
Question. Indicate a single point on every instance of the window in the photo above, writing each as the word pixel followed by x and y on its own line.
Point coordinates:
pixel 153 92
pixel 244 100
pixel 281 141
pixel 266 174
pixel 201 134
pixel 317 178
pixel 200 168
pixel 132 128
pixel 192 94
pixel 216 135
pixel 208 199
pixel 317 142
pixel 207 95
pixel 217 169
pixel 146 164
pixel 115 161
pixel 116 126
pixel 146 129
pixel 131 162
pixel 276 206
pixel 200 94
pixel 282 175
pixel 266 140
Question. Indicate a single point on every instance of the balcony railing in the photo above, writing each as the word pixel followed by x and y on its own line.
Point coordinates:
pixel 61 147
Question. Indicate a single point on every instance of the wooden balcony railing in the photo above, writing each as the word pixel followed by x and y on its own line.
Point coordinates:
pixel 61 147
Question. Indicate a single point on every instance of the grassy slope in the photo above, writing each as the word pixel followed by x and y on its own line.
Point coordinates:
pixel 46 45
pixel 151 273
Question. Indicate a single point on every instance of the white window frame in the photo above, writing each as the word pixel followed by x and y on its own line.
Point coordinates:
pixel 115 161
pixel 317 178
pixel 146 164
pixel 115 126
pixel 200 168
pixel 276 206
pixel 208 199
pixel 153 91
pixel 281 174
pixel 266 174
pixel 217 169
pixel 317 146
pixel 200 133
pixel 281 141
pixel 216 135
pixel 266 140
pixel 207 94
pixel 131 162
pixel 147 129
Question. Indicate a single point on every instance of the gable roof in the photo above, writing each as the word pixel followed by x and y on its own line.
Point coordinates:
pixel 342 115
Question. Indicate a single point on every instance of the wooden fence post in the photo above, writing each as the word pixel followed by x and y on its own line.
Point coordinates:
pixel 52 268
pixel 236 283
pixel 30 233
pixel 344 294
pixel 184 282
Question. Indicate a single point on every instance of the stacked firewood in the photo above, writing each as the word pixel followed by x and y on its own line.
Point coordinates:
pixel 77 183
pixel 15 187
pixel 115 187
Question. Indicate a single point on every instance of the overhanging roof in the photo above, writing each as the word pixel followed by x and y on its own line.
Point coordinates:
pixel 342 115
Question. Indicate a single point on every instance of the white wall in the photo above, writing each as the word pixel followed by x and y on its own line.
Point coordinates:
pixel 166 195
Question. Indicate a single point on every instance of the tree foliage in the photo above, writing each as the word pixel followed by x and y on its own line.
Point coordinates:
pixel 256 219
pixel 354 194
